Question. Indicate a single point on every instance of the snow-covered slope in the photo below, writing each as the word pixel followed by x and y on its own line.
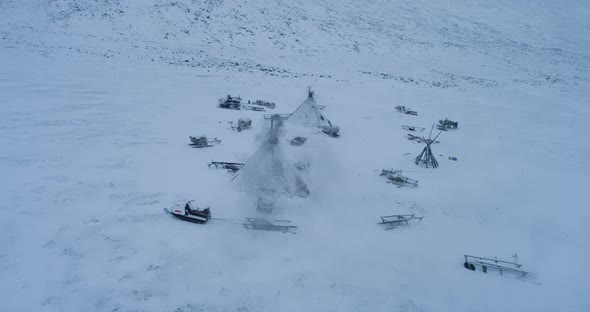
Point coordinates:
pixel 444 45
pixel 98 98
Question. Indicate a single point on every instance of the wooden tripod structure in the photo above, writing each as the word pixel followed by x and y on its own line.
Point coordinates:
pixel 426 156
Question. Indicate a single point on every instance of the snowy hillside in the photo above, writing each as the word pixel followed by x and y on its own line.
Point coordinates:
pixel 402 40
pixel 98 99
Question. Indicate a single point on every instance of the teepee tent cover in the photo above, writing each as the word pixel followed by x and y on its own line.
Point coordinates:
pixel 268 171
pixel 308 114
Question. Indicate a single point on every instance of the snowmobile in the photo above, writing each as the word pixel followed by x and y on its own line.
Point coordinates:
pixel 231 102
pixel 191 212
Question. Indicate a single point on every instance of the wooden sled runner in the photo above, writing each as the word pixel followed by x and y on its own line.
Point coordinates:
pixel 202 141
pixel 413 128
pixel 394 221
pixel 418 139
pixel 253 108
pixel 505 268
pixel 404 110
pixel 266 225
pixel 395 177
pixel 229 166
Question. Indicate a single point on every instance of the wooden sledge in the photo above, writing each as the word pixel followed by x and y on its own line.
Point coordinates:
pixel 229 166
pixel 413 128
pixel 200 142
pixel 394 221
pixel 266 225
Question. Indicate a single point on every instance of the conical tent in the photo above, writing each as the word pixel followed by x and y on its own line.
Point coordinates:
pixel 268 172
pixel 427 157
pixel 308 114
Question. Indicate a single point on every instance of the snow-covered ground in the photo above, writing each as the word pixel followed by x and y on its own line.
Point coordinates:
pixel 98 98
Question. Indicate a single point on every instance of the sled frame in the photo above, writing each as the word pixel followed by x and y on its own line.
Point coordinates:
pixel 229 166
pixel 413 128
pixel 266 225
pixel 393 221
pixel 500 265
